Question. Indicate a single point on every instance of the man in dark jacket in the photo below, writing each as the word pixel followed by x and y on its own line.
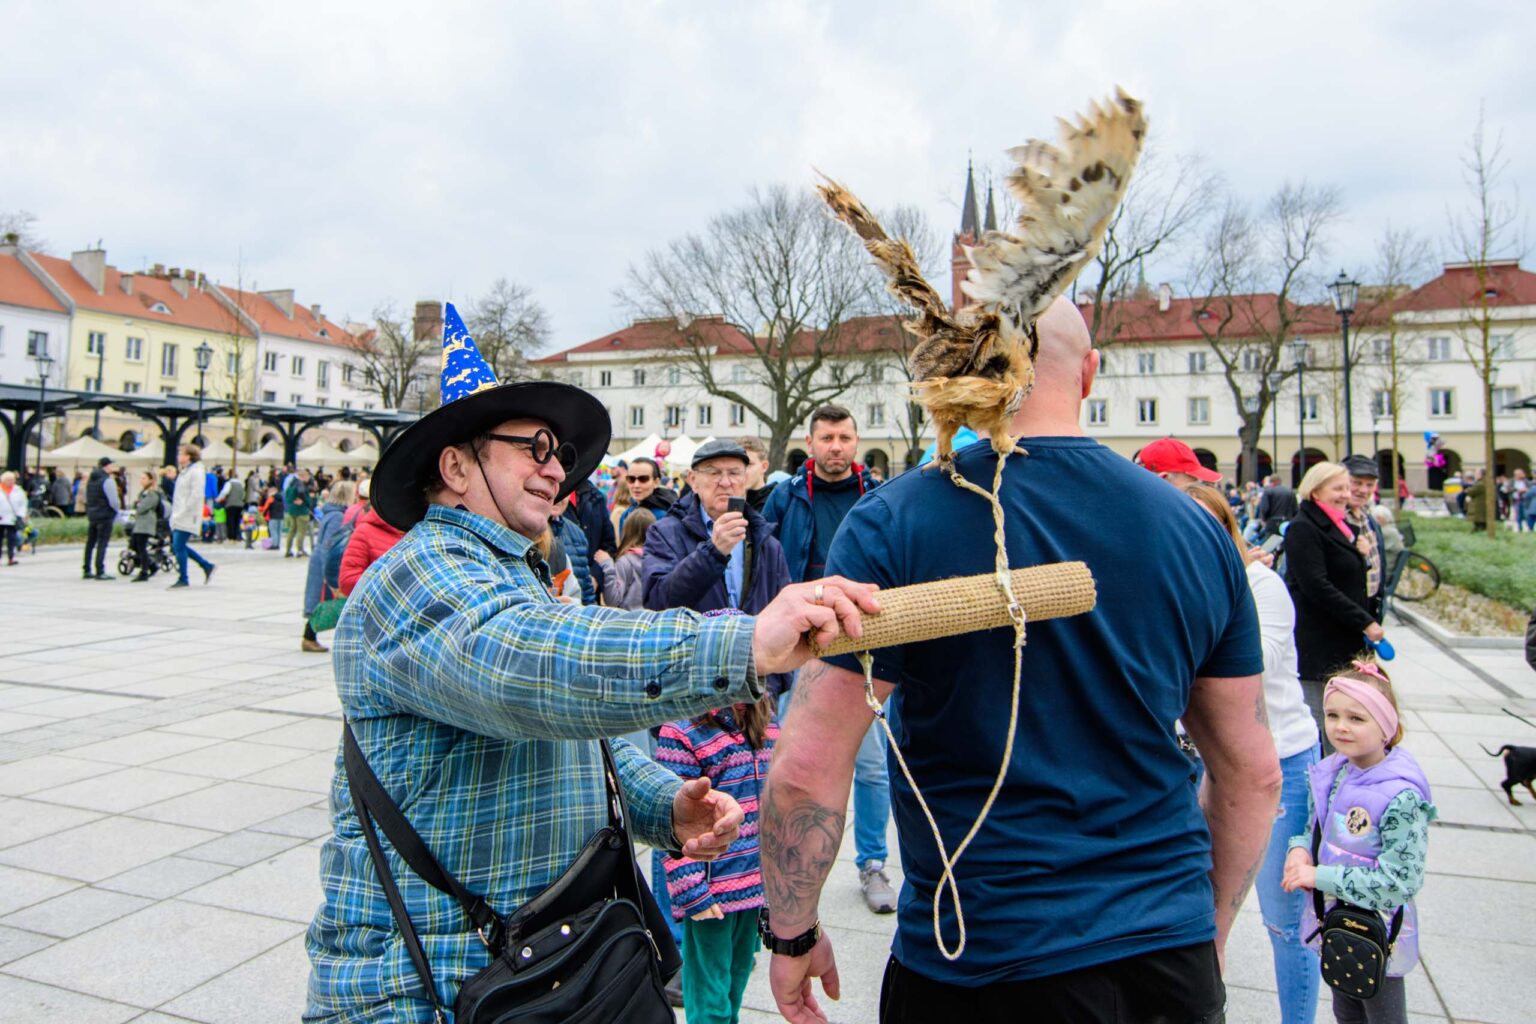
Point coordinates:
pixel 1277 506
pixel 1363 476
pixel 574 540
pixel 705 557
pixel 589 510
pixel 102 503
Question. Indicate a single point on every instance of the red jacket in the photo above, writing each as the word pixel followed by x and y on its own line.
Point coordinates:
pixel 371 537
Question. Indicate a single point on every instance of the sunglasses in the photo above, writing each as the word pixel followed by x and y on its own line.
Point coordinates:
pixel 638 479
pixel 542 447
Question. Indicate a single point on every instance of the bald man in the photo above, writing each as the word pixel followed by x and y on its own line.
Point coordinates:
pixel 1100 887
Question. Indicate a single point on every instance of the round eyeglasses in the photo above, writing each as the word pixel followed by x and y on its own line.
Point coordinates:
pixel 542 447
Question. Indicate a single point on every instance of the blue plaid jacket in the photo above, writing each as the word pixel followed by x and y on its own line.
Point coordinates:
pixel 478 701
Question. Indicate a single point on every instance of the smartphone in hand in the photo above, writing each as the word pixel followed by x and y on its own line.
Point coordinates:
pixel 736 505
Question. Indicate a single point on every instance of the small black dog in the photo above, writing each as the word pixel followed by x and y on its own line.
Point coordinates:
pixel 1519 768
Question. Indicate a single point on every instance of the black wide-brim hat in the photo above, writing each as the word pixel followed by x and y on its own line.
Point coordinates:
pixel 409 464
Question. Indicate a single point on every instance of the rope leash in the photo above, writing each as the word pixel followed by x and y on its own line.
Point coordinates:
pixel 1016 615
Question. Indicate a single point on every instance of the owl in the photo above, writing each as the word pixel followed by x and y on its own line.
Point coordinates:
pixel 975 367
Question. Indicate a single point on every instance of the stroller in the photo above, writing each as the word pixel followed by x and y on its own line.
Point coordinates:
pixel 158 549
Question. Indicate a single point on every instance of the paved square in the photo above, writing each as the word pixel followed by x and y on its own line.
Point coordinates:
pixel 165 759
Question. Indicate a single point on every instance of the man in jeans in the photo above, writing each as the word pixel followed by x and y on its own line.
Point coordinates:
pixel 298 505
pixel 808 509
pixel 187 513
pixel 101 506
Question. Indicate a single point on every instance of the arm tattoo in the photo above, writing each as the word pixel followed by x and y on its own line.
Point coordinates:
pixel 1261 710
pixel 800 840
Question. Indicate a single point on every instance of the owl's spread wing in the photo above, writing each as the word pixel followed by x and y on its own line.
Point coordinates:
pixel 1067 194
pixel 893 255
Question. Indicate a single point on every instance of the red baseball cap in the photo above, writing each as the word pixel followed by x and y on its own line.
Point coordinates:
pixel 1170 455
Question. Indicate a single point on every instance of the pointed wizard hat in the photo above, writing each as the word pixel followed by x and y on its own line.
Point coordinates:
pixel 472 404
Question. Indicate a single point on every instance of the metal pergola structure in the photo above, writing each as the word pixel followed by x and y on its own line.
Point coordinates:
pixel 173 414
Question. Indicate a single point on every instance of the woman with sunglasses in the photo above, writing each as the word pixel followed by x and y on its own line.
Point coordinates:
pixel 646 490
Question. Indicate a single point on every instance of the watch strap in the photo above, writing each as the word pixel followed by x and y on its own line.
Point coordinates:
pixel 800 945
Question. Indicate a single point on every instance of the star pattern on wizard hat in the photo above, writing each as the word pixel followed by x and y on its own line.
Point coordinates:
pixel 465 370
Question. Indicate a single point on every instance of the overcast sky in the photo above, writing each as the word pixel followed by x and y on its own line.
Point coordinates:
pixel 364 153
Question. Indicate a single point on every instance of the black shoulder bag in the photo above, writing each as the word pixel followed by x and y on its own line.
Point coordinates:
pixel 1356 942
pixel 591 948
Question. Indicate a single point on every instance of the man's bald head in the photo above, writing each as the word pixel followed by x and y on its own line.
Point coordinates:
pixel 1064 370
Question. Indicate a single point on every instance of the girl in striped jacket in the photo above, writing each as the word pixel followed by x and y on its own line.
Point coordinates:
pixel 718 902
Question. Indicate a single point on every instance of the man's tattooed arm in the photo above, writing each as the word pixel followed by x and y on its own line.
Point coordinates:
pixel 800 839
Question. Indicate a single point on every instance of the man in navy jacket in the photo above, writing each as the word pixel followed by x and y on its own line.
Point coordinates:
pixel 704 557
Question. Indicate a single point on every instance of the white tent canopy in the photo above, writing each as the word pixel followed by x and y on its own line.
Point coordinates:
pixel 217 453
pixel 363 455
pixel 322 453
pixel 87 451
pixel 681 456
pixel 645 449
pixel 269 454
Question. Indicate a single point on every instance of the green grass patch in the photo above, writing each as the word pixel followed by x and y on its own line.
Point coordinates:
pixel 1503 568
pixel 64 531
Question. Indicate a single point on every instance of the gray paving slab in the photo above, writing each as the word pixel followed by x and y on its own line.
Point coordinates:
pixel 256 992
pixel 104 848
pixel 142 747
pixel 226 806
pixel 23 820
pixel 285 886
pixel 27 1002
pixel 76 911
pixel 123 789
pixel 29 775
pixel 168 876
pixel 16 943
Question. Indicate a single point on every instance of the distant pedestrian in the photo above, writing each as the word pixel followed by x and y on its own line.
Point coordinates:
pixel 325 568
pixel 231 498
pixel 371 537
pixel 60 494
pixel 272 511
pixel 298 508
pixel 13 514
pixel 146 523
pixel 102 504
pixel 1277 506
pixel 758 487
pixel 187 513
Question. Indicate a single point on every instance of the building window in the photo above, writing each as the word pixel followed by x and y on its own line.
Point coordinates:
pixel 1381 350
pixel 1098 412
pixel 295 399
pixel 1103 362
pixel 573 378
pixel 877 373
pixel 1146 411
pixel 1501 346
pixel 876 417
pixel 1251 359
pixel 322 400
pixel 1309 409
pixel 706 415
pixel 1437 350
pixel 296 366
pixel 738 414
pixel 674 417
pixel 605 378
pixel 95 344
pixel 1442 402
pixel 135 350
pixel 37 343
pixel 346 377
pixel 167 360
pixel 674 376
pixel 1502 398
pixel 1197 362
pixel 167 389
pixel 1146 362
pixel 346 403
pixel 738 373
pixel 638 377
pixel 1199 412
pixel 160 308
pixel 1381 404
pixel 92 384
pixel 636 415
pixel 232 363
pixel 323 374
pixel 132 387
pixel 269 362
pixel 269 396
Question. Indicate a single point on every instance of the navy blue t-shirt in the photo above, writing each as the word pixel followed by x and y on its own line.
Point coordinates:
pixel 1096 849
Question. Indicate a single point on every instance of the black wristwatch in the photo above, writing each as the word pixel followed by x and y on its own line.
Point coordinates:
pixel 798 946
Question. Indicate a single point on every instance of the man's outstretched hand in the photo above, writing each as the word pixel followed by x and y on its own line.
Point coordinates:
pixel 779 641
pixel 704 820
pixel 790 979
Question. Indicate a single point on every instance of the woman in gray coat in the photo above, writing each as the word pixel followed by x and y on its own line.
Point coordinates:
pixel 146 522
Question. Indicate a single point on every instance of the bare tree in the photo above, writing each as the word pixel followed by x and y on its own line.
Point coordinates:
pixel 787 277
pixel 237 377
pixel 1166 202
pixel 1486 233
pixel 19 228
pixel 1250 286
pixel 1403 260
pixel 509 327
pixel 393 359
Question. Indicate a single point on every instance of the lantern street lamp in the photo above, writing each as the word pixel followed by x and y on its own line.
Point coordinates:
pixel 1299 352
pixel 1274 380
pixel 44 365
pixel 1345 290
pixel 204 354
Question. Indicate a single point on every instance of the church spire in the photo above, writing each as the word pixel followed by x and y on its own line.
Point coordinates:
pixel 991 222
pixel 970 220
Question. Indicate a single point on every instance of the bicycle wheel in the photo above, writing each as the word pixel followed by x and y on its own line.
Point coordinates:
pixel 1418 580
pixel 126 563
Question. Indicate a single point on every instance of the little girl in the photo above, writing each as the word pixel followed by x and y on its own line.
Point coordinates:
pixel 718 902
pixel 1372 802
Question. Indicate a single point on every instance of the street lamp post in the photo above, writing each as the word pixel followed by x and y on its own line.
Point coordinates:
pixel 1274 382
pixel 1345 291
pixel 204 354
pixel 101 360
pixel 1299 351
pixel 44 365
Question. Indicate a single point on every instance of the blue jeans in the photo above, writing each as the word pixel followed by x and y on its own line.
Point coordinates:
pixel 1297 975
pixel 183 552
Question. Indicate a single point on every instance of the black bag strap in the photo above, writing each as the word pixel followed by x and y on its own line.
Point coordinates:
pixel 1317 896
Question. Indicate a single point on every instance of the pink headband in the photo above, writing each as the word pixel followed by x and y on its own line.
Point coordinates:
pixel 1376 702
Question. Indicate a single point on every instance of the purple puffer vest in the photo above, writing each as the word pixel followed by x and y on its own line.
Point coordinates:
pixel 1351 836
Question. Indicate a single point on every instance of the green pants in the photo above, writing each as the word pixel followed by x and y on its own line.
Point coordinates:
pixel 717 961
pixel 295 529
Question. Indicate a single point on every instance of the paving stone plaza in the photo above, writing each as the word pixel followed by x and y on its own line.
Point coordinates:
pixel 166 757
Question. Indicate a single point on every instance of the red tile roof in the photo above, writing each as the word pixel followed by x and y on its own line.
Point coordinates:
pixel 863 334
pixel 1140 320
pixel 197 309
pixel 304 325
pixel 20 287
pixel 1457 288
